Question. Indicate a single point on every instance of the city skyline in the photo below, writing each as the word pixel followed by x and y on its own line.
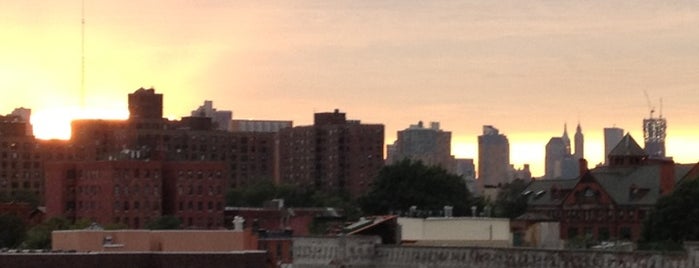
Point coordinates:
pixel 525 68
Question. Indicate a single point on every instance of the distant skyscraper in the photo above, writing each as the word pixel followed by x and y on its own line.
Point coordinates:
pixel 555 152
pixel 654 136
pixel 465 168
pixel 430 145
pixel 566 138
pixel 579 143
pixel 559 162
pixel 493 157
pixel 221 119
pixel 612 137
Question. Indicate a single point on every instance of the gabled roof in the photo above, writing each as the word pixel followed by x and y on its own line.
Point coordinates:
pixel 628 147
pixel 619 182
pixel 686 172
pixel 538 192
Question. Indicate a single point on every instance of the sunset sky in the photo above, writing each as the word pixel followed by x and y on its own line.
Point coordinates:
pixel 526 67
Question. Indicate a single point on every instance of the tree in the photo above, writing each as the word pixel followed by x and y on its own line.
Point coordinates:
pixel 12 231
pixel 406 183
pixel 167 222
pixel 510 202
pixel 39 236
pixel 674 219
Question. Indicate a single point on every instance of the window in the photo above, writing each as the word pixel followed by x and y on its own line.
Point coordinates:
pixel 625 233
pixel 572 232
pixel 603 234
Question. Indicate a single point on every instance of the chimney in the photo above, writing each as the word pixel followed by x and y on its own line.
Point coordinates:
pixel 582 165
pixel 667 177
pixel 448 211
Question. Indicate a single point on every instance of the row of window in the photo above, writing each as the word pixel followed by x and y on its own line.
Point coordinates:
pixel 15 155
pixel 23 164
pixel 24 185
pixel 200 206
pixel 27 175
pixel 190 190
pixel 135 190
pixel 136 205
pixel 605 215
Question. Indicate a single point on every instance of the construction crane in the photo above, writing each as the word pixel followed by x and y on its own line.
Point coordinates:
pixel 650 107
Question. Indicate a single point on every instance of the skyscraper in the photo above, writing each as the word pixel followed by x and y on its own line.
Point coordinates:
pixel 555 152
pixel 612 137
pixel 654 136
pixel 579 143
pixel 493 157
pixel 430 145
pixel 559 162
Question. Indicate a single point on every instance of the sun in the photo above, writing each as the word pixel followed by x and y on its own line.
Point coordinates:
pixel 54 123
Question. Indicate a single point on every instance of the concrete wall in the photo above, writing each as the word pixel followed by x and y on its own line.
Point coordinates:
pixel 359 252
pixel 317 252
pixel 248 259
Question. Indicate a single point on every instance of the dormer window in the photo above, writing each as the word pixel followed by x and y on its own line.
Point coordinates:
pixel 589 193
pixel 539 193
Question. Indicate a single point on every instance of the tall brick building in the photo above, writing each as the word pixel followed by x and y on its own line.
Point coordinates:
pixel 332 155
pixel 147 166
pixel 134 192
pixel 21 168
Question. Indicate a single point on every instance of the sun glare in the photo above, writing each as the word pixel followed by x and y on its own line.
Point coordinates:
pixel 54 123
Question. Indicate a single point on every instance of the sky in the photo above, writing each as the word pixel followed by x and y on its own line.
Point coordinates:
pixel 525 67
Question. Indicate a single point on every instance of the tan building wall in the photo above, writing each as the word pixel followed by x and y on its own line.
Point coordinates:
pixel 145 240
pixel 462 231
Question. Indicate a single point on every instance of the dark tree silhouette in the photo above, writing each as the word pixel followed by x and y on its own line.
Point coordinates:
pixel 406 183
pixel 510 203
pixel 12 231
pixel 674 219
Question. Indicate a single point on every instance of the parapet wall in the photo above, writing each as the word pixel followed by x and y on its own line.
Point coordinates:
pixel 366 252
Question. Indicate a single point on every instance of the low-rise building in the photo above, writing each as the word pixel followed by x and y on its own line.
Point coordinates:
pixel 153 240
pixel 456 231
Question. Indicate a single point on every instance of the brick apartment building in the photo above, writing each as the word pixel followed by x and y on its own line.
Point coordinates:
pixel 21 168
pixel 332 155
pixel 134 192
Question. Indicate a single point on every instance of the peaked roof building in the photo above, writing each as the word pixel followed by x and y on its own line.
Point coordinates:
pixel 607 202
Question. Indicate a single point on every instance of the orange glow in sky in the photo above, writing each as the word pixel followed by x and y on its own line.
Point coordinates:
pixel 526 67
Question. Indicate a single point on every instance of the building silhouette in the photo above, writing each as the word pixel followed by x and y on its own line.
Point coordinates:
pixel 221 119
pixel 654 133
pixel 608 202
pixel 334 155
pixel 21 162
pixel 195 162
pixel 579 143
pixel 429 145
pixel 493 158
pixel 612 137
pixel 559 162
